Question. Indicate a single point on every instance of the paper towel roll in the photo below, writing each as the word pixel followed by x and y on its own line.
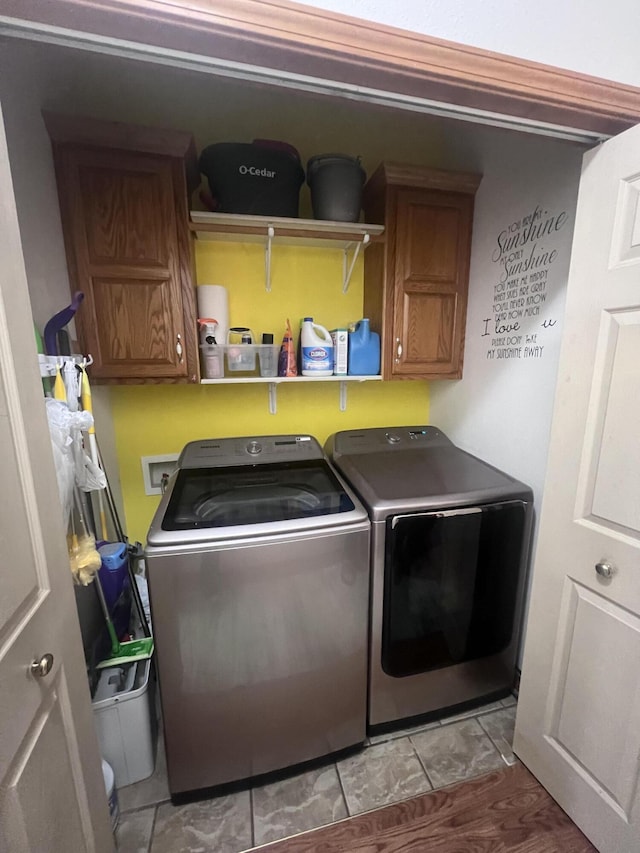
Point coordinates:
pixel 213 301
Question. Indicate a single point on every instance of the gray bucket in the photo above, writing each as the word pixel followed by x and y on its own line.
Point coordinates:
pixel 336 182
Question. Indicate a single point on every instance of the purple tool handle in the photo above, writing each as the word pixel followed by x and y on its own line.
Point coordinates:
pixel 59 321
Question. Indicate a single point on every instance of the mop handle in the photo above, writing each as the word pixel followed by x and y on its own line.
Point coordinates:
pixel 115 644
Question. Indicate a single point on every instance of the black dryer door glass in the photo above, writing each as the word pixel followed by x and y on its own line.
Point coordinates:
pixel 253 494
pixel 451 586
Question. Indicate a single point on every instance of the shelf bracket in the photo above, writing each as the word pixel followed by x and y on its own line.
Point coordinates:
pixel 273 402
pixel 343 396
pixel 347 269
pixel 267 257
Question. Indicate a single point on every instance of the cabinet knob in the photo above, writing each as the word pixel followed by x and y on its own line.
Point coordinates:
pixel 398 350
pixel 179 350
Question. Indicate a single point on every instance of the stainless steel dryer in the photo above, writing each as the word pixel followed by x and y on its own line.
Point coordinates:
pixel 258 565
pixel 449 550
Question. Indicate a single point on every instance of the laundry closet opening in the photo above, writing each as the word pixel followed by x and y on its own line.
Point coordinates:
pixel 502 404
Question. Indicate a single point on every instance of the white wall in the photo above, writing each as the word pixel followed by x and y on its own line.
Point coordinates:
pixel 589 36
pixel 501 408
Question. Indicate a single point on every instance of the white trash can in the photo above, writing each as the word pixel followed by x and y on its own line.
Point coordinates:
pixel 125 719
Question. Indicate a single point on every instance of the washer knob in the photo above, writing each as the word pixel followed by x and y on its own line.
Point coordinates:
pixel 254 447
pixel 393 437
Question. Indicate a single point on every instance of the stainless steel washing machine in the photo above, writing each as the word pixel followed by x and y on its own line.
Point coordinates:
pixel 258 566
pixel 449 551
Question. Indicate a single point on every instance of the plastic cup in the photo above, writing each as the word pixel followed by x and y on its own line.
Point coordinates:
pixel 268 356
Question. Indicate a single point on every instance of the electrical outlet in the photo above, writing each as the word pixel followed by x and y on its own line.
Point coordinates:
pixel 153 469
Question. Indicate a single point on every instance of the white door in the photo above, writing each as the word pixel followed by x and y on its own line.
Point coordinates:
pixel 52 797
pixel 578 722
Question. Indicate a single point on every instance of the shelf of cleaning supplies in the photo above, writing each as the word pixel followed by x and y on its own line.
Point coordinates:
pixel 274 381
pixel 277 230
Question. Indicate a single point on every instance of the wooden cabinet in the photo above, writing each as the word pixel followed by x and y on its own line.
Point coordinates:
pixel 123 200
pixel 416 281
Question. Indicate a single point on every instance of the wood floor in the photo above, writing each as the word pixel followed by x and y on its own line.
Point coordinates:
pixel 504 812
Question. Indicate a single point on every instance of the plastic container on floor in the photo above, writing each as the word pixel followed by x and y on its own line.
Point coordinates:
pixel 125 720
pixel 112 793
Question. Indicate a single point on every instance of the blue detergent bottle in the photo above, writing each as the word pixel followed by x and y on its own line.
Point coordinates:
pixel 114 578
pixel 364 350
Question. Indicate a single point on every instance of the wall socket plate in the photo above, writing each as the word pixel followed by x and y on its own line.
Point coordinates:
pixel 153 469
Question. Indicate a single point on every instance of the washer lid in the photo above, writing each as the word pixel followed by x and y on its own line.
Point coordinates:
pixel 212 504
pixel 261 494
pixel 409 468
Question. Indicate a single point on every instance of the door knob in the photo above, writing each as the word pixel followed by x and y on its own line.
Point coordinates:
pixel 605 569
pixel 42 667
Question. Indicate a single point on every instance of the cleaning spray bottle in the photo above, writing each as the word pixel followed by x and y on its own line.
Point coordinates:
pixel 317 349
pixel 212 355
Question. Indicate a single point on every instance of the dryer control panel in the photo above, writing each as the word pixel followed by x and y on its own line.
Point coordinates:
pixel 384 439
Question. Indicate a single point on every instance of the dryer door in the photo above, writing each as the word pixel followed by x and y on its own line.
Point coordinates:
pixel 451 587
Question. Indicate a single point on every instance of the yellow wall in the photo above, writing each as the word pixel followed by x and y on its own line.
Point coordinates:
pixel 157 419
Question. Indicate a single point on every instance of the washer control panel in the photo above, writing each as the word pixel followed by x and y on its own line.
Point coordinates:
pixel 247 450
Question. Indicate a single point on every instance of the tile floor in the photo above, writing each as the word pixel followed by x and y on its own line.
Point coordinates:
pixel 390 768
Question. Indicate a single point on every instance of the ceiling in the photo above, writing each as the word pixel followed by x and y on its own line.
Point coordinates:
pixel 322 51
pixel 217 109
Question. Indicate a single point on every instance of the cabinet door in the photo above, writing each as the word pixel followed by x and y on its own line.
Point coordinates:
pixel 127 254
pixel 430 284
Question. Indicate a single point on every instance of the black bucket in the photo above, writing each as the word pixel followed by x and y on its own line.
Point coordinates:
pixel 263 177
pixel 336 182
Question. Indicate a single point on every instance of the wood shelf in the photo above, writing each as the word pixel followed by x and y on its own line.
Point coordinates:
pixel 274 381
pixel 277 230
pixel 278 380
pixel 236 227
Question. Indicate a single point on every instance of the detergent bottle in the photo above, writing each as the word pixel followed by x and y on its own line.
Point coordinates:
pixel 317 349
pixel 287 358
pixel 364 350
